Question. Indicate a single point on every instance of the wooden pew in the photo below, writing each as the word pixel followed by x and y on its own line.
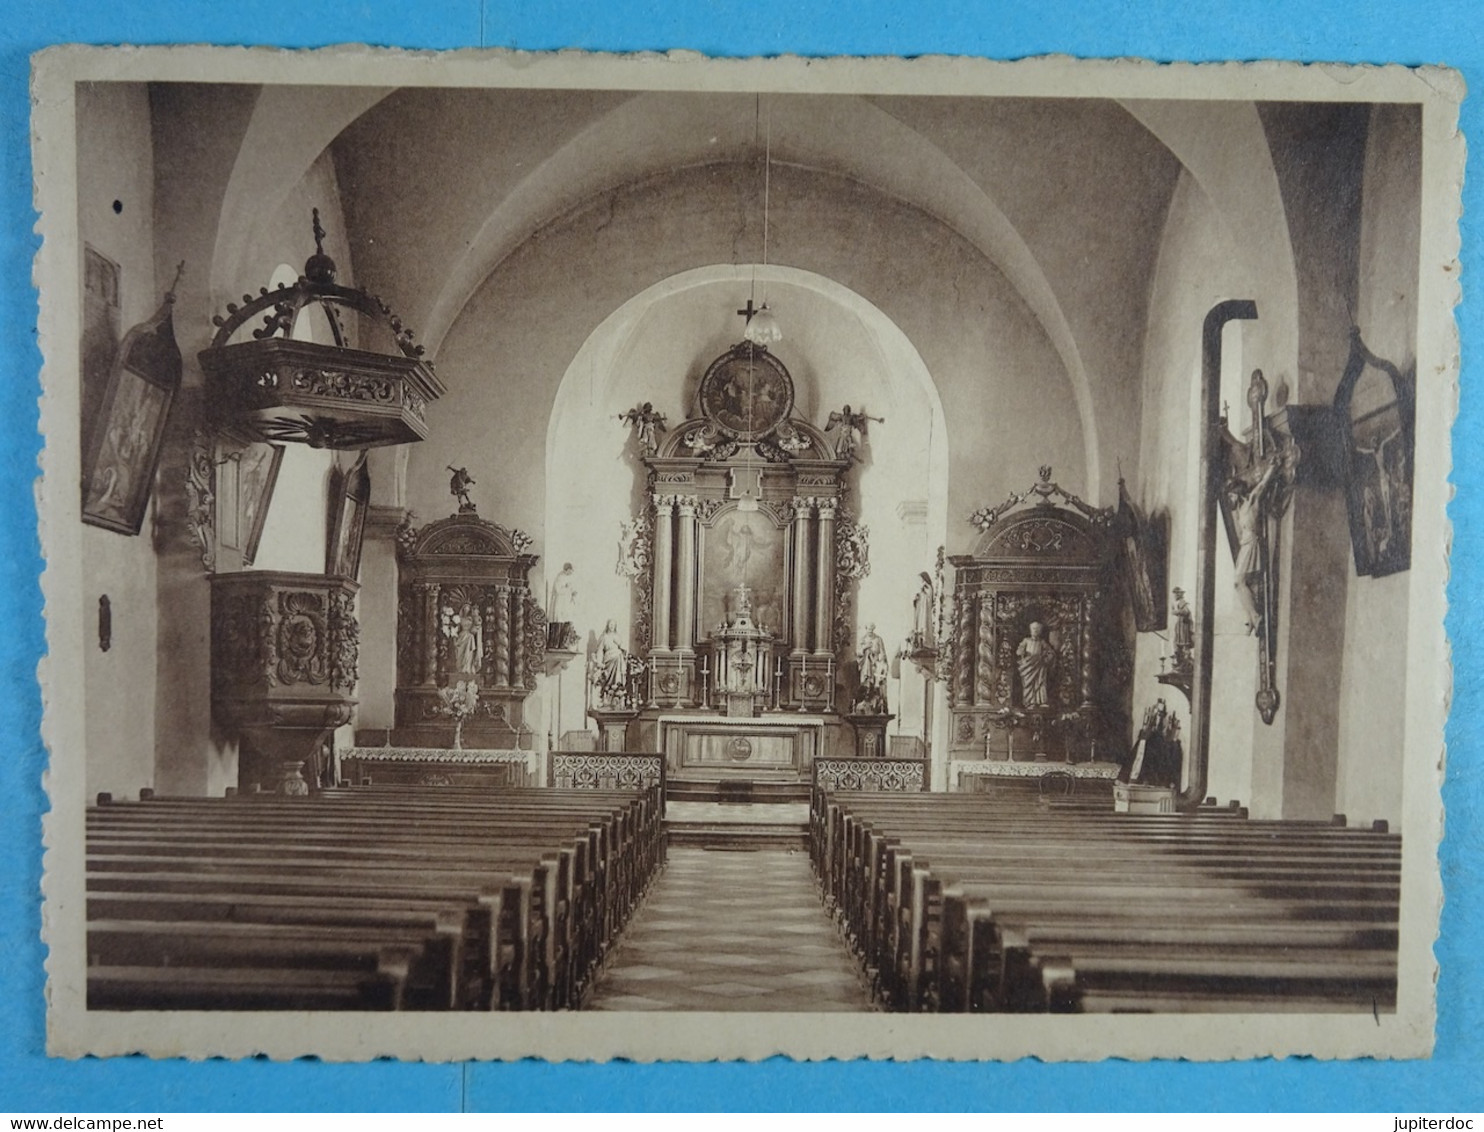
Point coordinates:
pixel 963 902
pixel 220 988
pixel 447 803
pixel 400 898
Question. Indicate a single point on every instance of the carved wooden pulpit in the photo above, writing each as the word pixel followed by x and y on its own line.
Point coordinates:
pixel 284 652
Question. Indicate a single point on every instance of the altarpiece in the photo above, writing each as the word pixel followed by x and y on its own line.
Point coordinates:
pixel 742 611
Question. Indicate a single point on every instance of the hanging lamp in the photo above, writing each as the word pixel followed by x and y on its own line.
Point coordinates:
pixel 762 324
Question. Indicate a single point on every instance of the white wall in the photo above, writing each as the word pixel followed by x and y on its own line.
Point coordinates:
pixel 1373 690
pixel 193 755
pixel 1199 266
pixel 114 164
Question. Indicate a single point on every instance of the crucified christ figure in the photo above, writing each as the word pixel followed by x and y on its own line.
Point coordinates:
pixel 1247 516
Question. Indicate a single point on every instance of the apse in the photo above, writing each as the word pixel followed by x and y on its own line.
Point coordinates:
pixel 839 350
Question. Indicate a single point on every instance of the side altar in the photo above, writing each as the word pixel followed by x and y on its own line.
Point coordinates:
pixel 743 607
pixel 471 637
pixel 1042 638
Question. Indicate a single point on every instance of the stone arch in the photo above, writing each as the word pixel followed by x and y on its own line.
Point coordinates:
pixel 580 504
pixel 651 131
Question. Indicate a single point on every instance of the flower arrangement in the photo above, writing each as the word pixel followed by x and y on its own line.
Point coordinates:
pixel 460 701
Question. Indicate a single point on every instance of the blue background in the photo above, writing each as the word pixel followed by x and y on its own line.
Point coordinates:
pixel 1361 31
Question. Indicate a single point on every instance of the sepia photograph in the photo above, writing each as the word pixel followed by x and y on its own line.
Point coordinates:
pixel 597 556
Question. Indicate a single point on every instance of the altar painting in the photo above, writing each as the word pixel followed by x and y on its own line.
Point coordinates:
pixel 742 547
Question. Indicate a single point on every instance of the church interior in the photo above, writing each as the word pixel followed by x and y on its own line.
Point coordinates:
pixel 741 525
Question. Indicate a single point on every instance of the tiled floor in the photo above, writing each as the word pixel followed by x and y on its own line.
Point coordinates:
pixel 735 932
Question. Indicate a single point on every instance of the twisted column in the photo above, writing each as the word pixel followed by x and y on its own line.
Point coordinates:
pixel 963 650
pixel 518 635
pixel 664 510
pixel 431 632
pixel 685 604
pixel 824 579
pixel 1089 612
pixel 799 621
pixel 502 637
pixel 984 665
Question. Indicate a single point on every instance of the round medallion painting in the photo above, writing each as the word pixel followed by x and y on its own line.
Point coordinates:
pixel 747 392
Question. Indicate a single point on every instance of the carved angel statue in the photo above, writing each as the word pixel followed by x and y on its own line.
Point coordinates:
pixel 852 426
pixel 647 422
pixel 459 485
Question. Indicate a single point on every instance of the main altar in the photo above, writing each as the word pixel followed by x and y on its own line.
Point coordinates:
pixel 742 610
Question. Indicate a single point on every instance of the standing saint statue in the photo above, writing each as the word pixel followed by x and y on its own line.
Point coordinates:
pixel 1184 633
pixel 924 632
pixel 1035 657
pixel 560 607
pixel 468 641
pixel 610 667
pixel 871 659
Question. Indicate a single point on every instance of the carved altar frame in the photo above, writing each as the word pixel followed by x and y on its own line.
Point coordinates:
pixel 449 564
pixel 1056 565
pixel 788 474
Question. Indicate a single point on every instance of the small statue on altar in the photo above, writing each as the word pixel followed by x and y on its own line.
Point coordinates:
pixel 871 658
pixel 1035 657
pixel 852 426
pixel 1183 636
pixel 609 668
pixel 458 487
pixel 1247 514
pixel 647 422
pixel 560 608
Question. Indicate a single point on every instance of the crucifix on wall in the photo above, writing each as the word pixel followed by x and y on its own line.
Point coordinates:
pixel 1256 488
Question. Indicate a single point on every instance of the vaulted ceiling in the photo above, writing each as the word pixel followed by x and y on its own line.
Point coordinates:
pixel 1065 197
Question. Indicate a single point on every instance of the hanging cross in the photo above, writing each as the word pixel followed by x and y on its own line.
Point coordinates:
pixel 748 311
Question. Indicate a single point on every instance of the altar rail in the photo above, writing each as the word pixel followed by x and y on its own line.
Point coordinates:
pixel 606 770
pixel 435 766
pixel 903 776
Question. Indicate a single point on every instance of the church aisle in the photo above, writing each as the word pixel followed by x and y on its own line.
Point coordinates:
pixel 734 932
